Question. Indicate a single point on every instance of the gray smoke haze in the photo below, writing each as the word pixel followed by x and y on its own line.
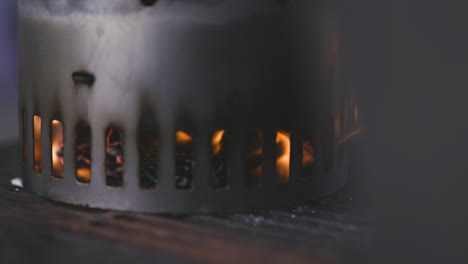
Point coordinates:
pixel 206 11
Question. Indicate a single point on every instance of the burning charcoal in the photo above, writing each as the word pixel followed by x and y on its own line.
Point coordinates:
pixel 308 157
pixel 57 150
pixel 114 158
pixel 218 168
pixel 184 167
pixel 184 161
pixel 283 156
pixel 37 144
pixel 57 171
pixel 254 157
pixel 308 153
pixel 83 153
pixel 59 154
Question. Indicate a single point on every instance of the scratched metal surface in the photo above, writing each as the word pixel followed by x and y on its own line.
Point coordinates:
pixel 32 228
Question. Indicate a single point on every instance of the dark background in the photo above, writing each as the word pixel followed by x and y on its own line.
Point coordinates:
pixel 408 60
pixel 8 66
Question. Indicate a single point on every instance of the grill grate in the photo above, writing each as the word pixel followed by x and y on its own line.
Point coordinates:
pixel 300 234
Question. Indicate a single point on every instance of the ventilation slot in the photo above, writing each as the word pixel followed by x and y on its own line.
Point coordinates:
pixel 37 146
pixel 308 157
pixel 24 135
pixel 83 153
pixel 148 147
pixel 114 157
pixel 283 155
pixel 338 131
pixel 185 162
pixel 83 78
pixel 148 2
pixel 57 149
pixel 218 162
pixel 254 157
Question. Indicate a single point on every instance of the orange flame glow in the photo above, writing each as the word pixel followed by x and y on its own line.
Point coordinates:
pixel 254 157
pixel 37 143
pixel 183 137
pixel 57 149
pixel 283 142
pixel 337 126
pixel 83 174
pixel 256 149
pixel 83 153
pixel 151 148
pixel 350 135
pixel 308 153
pixel 216 141
pixel 356 114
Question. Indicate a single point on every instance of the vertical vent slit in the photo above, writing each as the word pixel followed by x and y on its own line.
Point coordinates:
pixel 254 157
pixel 148 149
pixel 283 156
pixel 185 162
pixel 37 143
pixel 114 157
pixel 308 157
pixel 83 157
pixel 57 149
pixel 219 170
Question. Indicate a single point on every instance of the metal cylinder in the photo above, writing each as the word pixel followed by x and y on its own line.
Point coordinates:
pixel 127 104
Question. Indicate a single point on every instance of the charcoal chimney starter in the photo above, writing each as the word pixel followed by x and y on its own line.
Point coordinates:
pixel 182 106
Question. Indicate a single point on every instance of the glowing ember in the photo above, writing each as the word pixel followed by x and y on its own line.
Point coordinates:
pixel 216 141
pixel 337 125
pixel 151 149
pixel 84 174
pixel 218 169
pixel 83 153
pixel 183 138
pixel 356 114
pixel 350 135
pixel 184 160
pixel 57 149
pixel 114 157
pixel 257 148
pixel 308 153
pixel 254 156
pixel 283 143
pixel 37 143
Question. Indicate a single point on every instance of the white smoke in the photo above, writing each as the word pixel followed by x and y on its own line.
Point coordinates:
pixel 198 11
